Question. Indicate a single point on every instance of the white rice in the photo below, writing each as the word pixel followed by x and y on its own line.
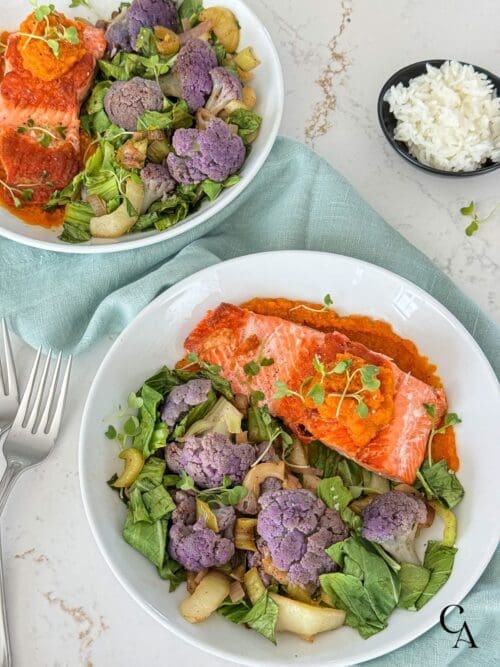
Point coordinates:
pixel 449 118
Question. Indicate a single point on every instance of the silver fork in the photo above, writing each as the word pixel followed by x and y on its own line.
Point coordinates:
pixel 31 439
pixel 9 396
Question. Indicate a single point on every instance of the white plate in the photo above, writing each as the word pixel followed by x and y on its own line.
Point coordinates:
pixel 268 83
pixel 156 337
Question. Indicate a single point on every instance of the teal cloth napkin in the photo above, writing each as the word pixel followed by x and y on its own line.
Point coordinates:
pixel 297 201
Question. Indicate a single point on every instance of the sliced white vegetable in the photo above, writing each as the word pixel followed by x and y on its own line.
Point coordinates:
pixel 118 222
pixel 305 620
pixel 207 597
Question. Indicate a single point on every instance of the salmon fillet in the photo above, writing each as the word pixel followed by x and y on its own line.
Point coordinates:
pixel 231 337
pixel 24 162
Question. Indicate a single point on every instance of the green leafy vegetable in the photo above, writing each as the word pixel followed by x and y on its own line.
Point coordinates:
pixel 323 457
pixel 234 611
pixel 147 421
pixel 367 588
pixel 414 579
pixel 137 508
pixel 348 593
pixel 173 572
pixel 189 10
pixel 261 617
pixel 158 503
pixel 246 121
pixel 195 414
pixel 151 474
pixel 148 538
pixel 441 483
pixel 337 496
pixel 439 560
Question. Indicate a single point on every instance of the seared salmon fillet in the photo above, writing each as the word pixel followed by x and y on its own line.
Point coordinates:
pixel 232 337
pixel 26 100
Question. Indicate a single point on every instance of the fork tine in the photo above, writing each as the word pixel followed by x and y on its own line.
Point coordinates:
pixel 56 420
pixel 22 411
pixel 44 419
pixel 9 362
pixel 30 425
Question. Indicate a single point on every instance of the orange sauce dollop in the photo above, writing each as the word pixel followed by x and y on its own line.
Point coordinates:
pixel 376 335
pixel 37 56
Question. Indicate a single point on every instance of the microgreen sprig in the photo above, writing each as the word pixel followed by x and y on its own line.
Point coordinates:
pixel 469 211
pixel 369 382
pixel 327 305
pixel 451 419
pixel 218 495
pixel 19 193
pixel 43 134
pixel 194 360
pixel 52 35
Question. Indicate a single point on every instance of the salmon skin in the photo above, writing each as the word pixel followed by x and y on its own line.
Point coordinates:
pixel 231 337
pixel 51 105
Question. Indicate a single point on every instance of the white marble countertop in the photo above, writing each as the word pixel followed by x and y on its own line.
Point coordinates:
pixel 65 606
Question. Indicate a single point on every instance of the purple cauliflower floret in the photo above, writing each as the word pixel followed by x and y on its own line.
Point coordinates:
pixel 125 101
pixel 198 547
pixel 117 33
pixel 158 184
pixel 226 518
pixel 184 396
pixel 254 559
pixel 209 458
pixel 190 75
pixel 295 528
pixel 185 510
pixel 213 153
pixel 391 520
pixel 226 87
pixel 148 14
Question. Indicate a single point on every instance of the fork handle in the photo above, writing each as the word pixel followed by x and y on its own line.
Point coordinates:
pixel 10 475
pixel 5 651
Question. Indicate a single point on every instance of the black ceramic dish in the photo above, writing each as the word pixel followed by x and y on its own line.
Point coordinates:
pixel 388 121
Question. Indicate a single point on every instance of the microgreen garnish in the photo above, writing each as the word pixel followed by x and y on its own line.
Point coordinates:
pixel 194 360
pixel 256 397
pixel 469 211
pixel 19 193
pixel 252 368
pixel 369 382
pixel 327 304
pixel 451 419
pixel 52 35
pixel 111 432
pixel 277 433
pixel 218 495
pixel 43 135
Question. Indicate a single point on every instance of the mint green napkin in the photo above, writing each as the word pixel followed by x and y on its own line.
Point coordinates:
pixel 297 201
pixel 68 301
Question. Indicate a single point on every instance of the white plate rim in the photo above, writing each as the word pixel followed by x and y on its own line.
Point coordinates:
pixel 461 590
pixel 199 218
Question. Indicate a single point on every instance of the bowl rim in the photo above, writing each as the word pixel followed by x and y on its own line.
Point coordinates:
pixel 292 255
pixel 399 146
pixel 198 218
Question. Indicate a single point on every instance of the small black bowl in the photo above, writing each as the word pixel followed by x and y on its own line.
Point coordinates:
pixel 388 121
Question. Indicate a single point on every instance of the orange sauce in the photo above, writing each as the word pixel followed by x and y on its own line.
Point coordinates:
pixel 376 335
pixel 37 56
pixel 33 214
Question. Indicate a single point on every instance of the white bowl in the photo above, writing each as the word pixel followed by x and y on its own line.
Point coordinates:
pixel 268 83
pixel 156 337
